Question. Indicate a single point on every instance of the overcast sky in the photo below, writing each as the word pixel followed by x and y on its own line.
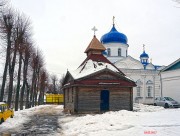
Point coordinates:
pixel 62 28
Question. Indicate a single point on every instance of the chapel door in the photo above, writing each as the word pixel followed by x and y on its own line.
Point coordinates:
pixel 104 106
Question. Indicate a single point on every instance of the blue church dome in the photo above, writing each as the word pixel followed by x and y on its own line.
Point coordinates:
pixel 144 55
pixel 114 36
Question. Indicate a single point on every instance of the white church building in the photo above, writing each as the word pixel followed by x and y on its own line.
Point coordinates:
pixel 170 77
pixel 142 71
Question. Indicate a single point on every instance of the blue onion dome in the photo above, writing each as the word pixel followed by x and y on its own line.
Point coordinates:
pixel 114 37
pixel 144 55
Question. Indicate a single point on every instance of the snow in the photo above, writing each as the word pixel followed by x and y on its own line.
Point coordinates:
pixel 91 67
pixel 23 116
pixel 19 118
pixel 144 120
pixel 129 78
pixel 146 108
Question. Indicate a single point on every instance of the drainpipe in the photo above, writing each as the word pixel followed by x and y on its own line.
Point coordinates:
pixel 144 89
pixel 161 83
pixel 154 87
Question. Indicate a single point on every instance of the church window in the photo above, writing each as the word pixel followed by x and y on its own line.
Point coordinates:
pixel 149 84
pixel 126 53
pixel 149 89
pixel 139 83
pixel 119 52
pixel 108 52
pixel 138 91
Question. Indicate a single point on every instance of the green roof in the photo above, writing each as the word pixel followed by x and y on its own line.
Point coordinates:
pixel 173 66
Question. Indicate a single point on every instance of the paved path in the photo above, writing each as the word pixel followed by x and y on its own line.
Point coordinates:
pixel 44 122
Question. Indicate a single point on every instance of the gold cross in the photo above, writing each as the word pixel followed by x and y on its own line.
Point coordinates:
pixel 94 29
pixel 144 47
pixel 113 19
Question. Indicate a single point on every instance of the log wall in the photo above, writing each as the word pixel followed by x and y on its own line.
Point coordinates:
pixel 87 99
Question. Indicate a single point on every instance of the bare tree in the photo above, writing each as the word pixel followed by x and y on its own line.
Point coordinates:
pixel 54 83
pixel 27 56
pixel 22 33
pixel 61 83
pixel 37 64
pixel 21 59
pixel 6 27
pixel 43 78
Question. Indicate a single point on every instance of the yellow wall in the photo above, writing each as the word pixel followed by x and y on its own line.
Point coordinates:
pixel 54 98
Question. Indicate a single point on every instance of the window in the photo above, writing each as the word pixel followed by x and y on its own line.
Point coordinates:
pixel 149 84
pixel 126 53
pixel 139 83
pixel 138 91
pixel 108 52
pixel 149 89
pixel 119 52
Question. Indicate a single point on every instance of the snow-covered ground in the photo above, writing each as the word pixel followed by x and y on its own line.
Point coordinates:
pixel 144 120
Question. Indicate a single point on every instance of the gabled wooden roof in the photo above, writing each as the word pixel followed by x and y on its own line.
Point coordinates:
pixel 100 58
pixel 104 77
pixel 95 45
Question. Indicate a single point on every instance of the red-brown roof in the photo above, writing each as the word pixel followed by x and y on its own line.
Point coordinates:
pixel 95 45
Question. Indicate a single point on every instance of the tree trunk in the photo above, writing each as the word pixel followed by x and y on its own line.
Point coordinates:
pixel 31 91
pixel 37 87
pixel 18 83
pixel 6 66
pixel 10 89
pixel 22 96
pixel 42 86
pixel 11 76
pixel 34 91
pixel 27 96
pixel 25 84
pixel 4 75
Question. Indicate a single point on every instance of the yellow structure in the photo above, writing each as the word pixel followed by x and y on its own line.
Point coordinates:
pixel 54 98
pixel 5 112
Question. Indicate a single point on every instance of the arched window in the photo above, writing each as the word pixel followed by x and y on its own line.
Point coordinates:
pixel 139 84
pixel 119 52
pixel 149 89
pixel 149 84
pixel 108 52
pixel 138 91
